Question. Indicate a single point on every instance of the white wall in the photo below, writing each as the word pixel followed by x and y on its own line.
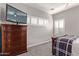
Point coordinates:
pixel 71 17
pixel 37 34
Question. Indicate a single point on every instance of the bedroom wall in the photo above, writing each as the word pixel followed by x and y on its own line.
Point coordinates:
pixel 71 17
pixel 37 34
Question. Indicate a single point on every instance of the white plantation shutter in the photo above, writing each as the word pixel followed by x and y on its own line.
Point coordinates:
pixel 28 19
pixel 59 27
pixel 33 20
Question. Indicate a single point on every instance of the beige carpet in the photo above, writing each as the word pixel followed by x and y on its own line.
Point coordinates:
pixel 41 50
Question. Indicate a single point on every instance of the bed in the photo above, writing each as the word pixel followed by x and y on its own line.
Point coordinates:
pixel 67 45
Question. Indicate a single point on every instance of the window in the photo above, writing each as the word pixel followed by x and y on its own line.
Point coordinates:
pixel 37 21
pixel 59 27
pixel 28 19
pixel 61 24
pixel 45 22
pixel 33 20
pixel 40 21
pixel 56 24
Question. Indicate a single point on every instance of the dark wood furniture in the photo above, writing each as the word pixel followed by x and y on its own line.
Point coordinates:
pixel 14 39
pixel 53 43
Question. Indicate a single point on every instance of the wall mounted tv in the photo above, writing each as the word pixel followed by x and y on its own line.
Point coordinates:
pixel 15 15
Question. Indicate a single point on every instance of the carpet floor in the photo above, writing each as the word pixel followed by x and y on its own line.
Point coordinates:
pixel 40 50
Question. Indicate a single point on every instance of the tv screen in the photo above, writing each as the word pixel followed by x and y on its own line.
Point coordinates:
pixel 15 15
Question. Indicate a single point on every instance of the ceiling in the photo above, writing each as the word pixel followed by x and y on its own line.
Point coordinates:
pixel 56 7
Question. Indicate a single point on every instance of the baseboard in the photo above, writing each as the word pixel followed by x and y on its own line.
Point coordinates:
pixel 36 44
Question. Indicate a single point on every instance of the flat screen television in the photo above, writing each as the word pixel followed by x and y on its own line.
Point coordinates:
pixel 15 15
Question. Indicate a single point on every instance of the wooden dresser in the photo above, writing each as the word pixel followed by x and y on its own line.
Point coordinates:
pixel 14 39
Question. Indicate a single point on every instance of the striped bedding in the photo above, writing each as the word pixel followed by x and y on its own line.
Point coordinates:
pixel 63 45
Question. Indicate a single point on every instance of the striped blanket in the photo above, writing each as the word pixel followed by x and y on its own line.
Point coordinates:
pixel 63 45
